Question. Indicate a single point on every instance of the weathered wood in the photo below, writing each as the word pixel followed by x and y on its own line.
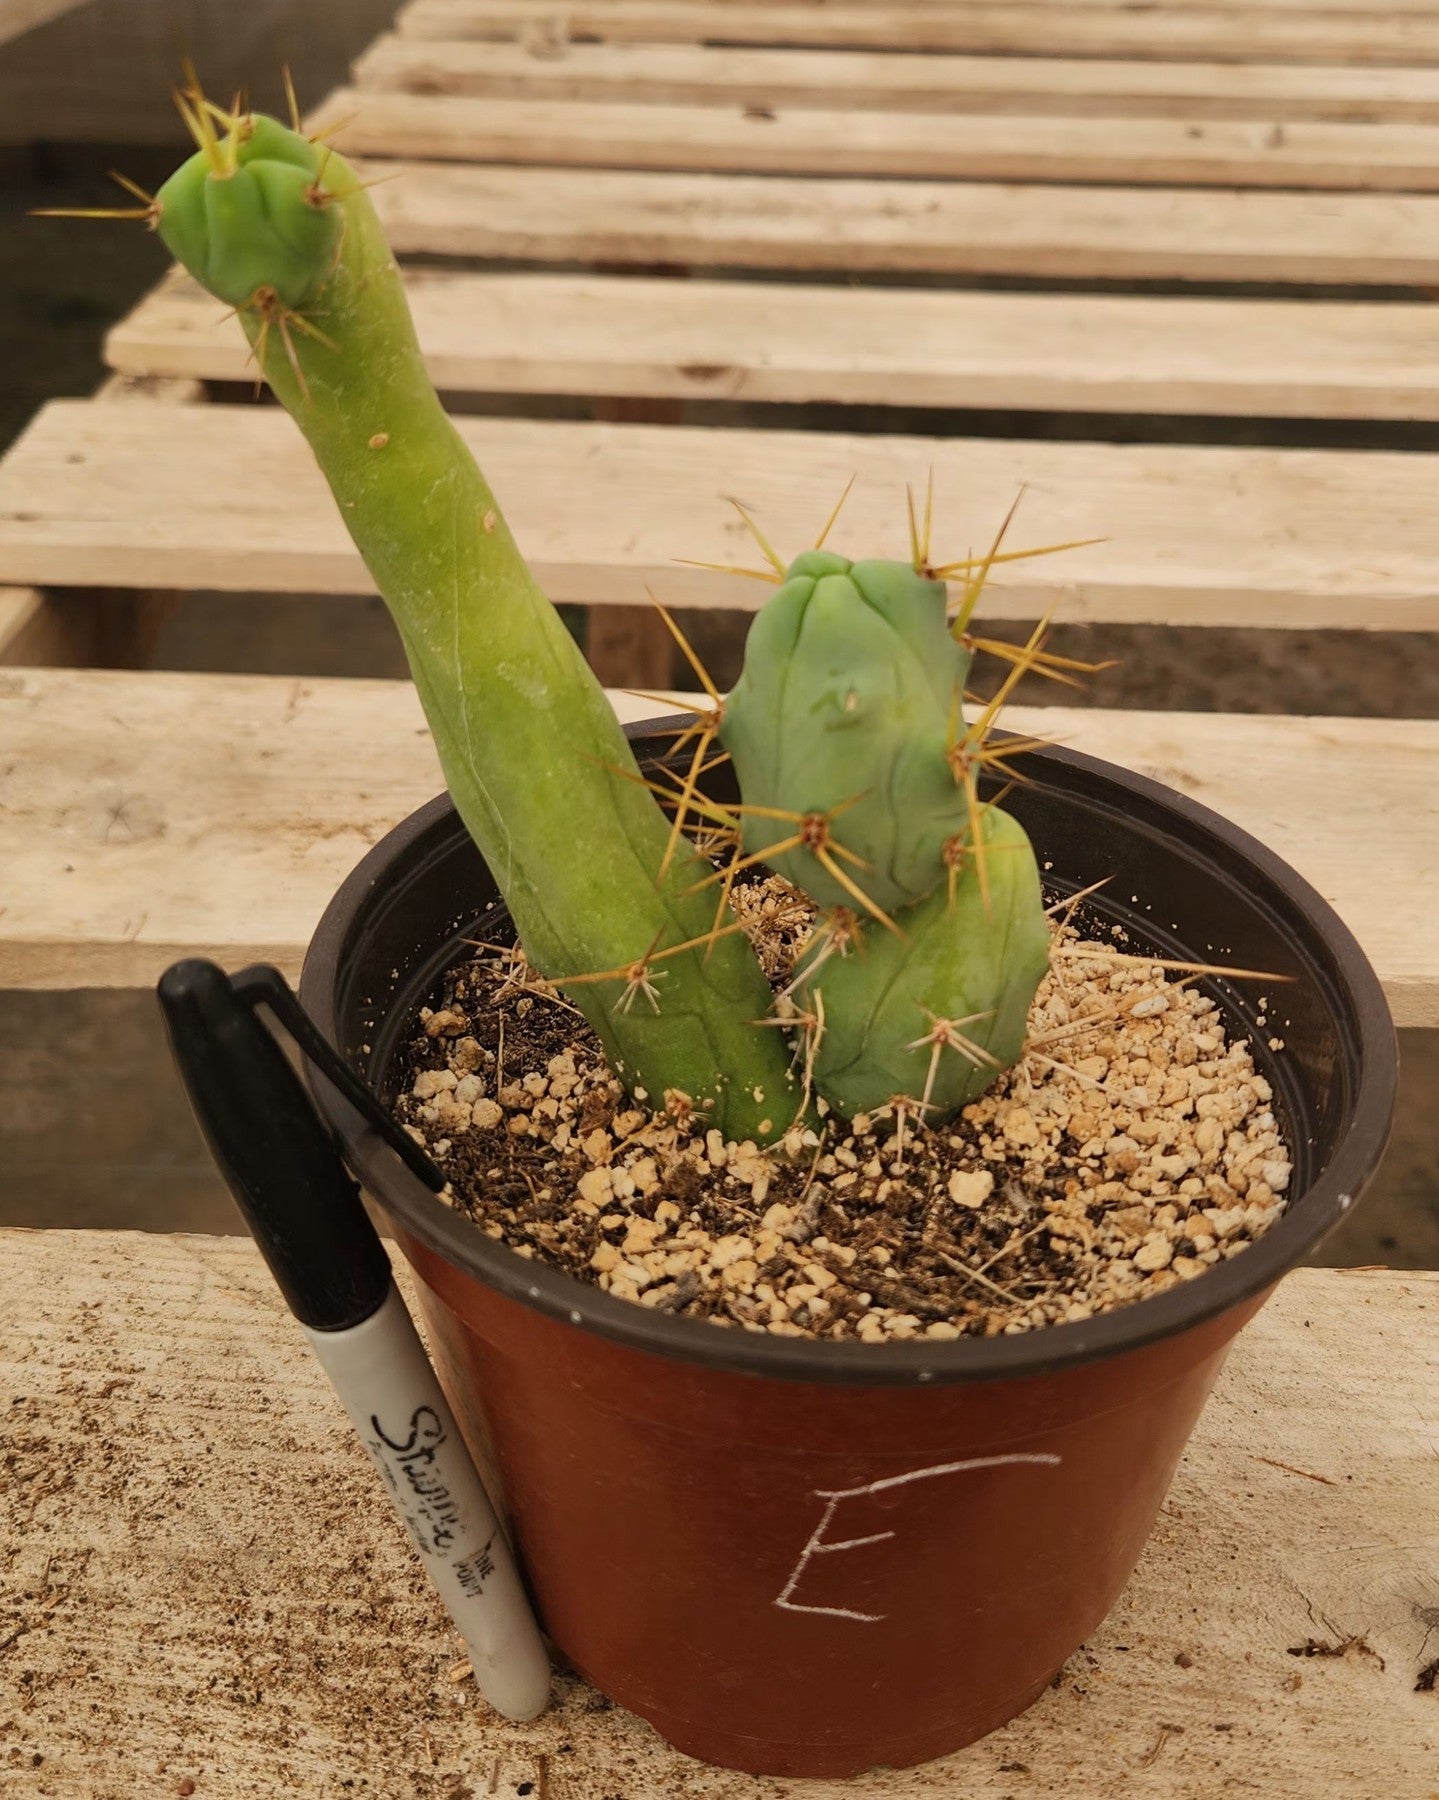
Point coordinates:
pixel 1193 535
pixel 1152 152
pixel 29 630
pixel 17 16
pixel 850 227
pixel 152 816
pixel 678 74
pixel 113 630
pixel 204 1583
pixel 765 341
pixel 1254 35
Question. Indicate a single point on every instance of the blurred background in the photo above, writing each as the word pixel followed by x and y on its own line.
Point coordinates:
pixel 93 1131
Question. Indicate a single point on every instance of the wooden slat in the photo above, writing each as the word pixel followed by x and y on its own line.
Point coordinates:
pixel 25 627
pixel 762 341
pixel 182 1602
pixel 150 816
pixel 683 74
pixel 1253 35
pixel 165 1378
pixel 1193 535
pixel 247 509
pixel 1423 8
pixel 1154 152
pixel 848 227
pixel 17 16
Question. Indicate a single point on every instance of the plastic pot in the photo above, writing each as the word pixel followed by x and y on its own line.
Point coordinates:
pixel 810 1558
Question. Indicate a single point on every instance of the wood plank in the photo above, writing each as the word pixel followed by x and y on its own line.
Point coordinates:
pixel 1193 535
pixel 1422 7
pixel 27 630
pixel 974 26
pixel 1153 152
pixel 152 816
pixel 1353 7
pixel 18 16
pixel 771 342
pixel 852 227
pixel 686 74
pixel 280 1617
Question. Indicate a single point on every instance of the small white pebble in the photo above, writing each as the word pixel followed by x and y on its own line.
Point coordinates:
pixel 971 1189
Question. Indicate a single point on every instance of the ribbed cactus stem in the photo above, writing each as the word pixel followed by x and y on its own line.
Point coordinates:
pixel 532 752
pixel 848 736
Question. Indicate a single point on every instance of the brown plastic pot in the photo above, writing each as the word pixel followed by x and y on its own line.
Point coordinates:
pixel 809 1558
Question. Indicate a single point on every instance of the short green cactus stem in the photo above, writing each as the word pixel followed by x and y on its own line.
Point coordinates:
pixel 844 712
pixel 535 760
pixel 861 785
pixel 935 1010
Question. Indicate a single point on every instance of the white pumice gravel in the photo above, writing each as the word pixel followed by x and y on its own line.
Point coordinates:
pixel 1133 1148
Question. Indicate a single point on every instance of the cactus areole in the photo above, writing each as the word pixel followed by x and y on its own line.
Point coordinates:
pixel 857 771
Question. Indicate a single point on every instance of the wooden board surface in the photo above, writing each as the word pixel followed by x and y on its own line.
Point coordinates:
pixel 990 26
pixel 869 80
pixel 200 1581
pixel 1193 535
pixel 765 341
pixel 845 226
pixel 151 816
pixel 17 16
pixel 620 135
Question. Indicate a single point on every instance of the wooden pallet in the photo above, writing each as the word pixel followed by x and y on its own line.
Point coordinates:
pixel 19 16
pixel 861 188
pixel 697 172
pixel 163 1631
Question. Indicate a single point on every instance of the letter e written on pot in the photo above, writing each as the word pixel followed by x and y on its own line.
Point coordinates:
pixel 826 1543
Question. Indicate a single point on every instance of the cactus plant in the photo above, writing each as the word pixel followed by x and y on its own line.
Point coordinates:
pixel 859 775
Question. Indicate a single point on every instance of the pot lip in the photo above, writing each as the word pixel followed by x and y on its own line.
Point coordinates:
pixel 416 1211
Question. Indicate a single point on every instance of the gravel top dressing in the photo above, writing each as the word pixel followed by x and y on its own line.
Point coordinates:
pixel 1131 1148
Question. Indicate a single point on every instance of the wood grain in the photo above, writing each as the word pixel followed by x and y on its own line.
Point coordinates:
pixel 17 16
pixel 1257 34
pixel 869 80
pixel 147 817
pixel 1192 535
pixel 1394 157
pixel 203 1583
pixel 849 227
pixel 772 342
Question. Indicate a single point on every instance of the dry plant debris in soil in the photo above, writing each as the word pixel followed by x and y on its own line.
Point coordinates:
pixel 1133 1147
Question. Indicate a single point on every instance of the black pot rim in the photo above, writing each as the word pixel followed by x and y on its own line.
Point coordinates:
pixel 1042 1351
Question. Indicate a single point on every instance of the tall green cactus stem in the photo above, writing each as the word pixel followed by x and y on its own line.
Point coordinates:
pixel 534 757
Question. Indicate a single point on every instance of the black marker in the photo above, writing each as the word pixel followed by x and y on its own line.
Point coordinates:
pixel 305 1214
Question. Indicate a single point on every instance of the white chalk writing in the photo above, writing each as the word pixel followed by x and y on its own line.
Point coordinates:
pixel 820 1545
